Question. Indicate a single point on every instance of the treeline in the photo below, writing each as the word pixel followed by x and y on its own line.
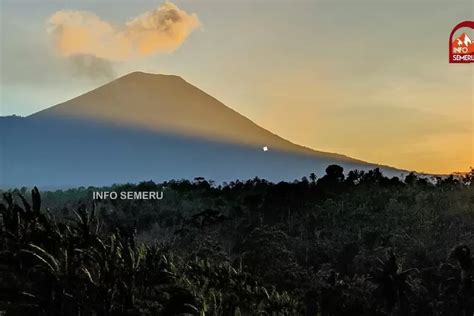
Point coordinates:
pixel 355 244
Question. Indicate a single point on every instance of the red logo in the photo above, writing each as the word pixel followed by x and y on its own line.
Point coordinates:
pixel 461 48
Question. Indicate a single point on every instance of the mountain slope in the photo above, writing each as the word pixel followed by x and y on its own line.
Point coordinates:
pixel 170 104
pixel 141 127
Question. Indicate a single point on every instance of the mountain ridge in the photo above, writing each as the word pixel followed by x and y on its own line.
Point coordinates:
pixel 149 80
pixel 151 127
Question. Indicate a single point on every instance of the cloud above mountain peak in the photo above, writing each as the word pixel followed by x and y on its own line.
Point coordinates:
pixel 161 30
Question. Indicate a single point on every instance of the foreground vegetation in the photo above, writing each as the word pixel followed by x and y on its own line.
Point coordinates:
pixel 361 244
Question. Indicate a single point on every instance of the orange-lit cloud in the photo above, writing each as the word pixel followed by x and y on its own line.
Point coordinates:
pixel 161 30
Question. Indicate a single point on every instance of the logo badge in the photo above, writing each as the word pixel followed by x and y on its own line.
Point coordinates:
pixel 461 47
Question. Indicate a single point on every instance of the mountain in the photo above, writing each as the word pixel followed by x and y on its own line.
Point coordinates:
pixel 145 126
pixel 167 103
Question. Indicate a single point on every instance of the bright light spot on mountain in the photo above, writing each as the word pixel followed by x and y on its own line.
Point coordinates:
pixel 265 148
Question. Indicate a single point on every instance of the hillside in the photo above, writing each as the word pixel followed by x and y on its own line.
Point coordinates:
pixel 144 126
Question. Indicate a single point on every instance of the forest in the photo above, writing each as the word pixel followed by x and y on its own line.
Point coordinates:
pixel 346 243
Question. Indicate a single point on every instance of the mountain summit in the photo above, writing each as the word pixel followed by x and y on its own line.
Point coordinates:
pixel 165 103
pixel 144 126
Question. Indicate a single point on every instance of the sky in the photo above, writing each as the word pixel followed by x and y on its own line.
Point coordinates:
pixel 368 79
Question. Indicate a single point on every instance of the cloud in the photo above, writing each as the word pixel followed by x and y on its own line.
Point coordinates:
pixel 91 66
pixel 161 30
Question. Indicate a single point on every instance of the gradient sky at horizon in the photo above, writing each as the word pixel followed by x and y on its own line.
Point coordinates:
pixel 368 79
